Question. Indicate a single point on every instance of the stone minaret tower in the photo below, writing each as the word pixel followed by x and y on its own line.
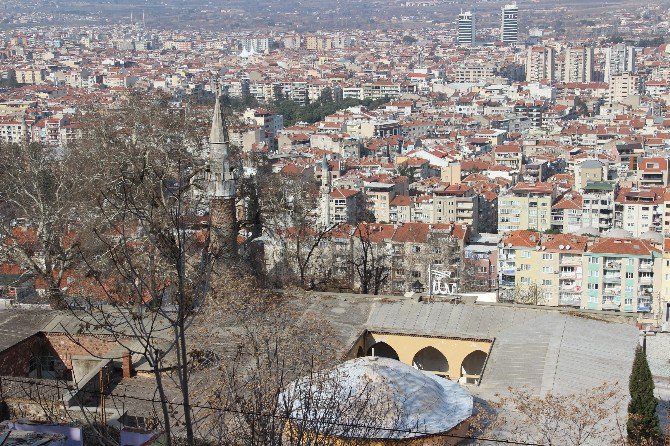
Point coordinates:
pixel 221 185
pixel 325 193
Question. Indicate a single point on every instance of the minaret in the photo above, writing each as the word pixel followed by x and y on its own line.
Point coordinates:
pixel 325 192
pixel 221 184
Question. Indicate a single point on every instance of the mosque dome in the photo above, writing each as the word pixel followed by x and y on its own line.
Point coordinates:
pixel 410 403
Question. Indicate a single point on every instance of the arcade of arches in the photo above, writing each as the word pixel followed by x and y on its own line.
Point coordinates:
pixel 458 359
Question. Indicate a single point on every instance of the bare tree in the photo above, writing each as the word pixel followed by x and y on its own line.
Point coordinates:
pixel 252 382
pixel 44 193
pixel 152 275
pixel 371 260
pixel 590 417
pixel 531 294
pixel 290 212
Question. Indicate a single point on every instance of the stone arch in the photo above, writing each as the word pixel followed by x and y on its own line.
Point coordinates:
pixel 473 364
pixel 431 359
pixel 384 350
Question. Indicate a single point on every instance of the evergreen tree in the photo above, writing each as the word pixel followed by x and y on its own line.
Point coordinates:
pixel 643 425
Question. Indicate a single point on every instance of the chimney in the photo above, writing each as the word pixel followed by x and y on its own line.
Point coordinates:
pixel 127 365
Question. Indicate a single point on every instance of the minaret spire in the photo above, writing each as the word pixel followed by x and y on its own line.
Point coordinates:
pixel 222 178
pixel 221 188
pixel 325 192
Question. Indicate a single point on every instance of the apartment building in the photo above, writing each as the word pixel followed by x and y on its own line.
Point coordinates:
pixel 508 155
pixel 256 44
pixel 509 27
pixel 566 213
pixel 271 123
pixel 653 172
pixel 578 65
pixel 622 87
pixel 466 28
pixel 589 171
pixel 345 206
pixel 13 130
pixel 621 274
pixel 526 206
pixel 457 203
pixel 639 211
pixel 401 209
pixel 598 200
pixel 619 59
pixel 474 73
pixel 418 248
pixel 541 269
pixel 31 76
pixel 380 194
pixel 540 63
pixel 664 310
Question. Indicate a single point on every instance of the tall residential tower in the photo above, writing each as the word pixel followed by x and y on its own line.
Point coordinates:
pixel 619 59
pixel 509 28
pixel 466 28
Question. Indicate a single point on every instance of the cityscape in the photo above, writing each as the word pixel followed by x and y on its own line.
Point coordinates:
pixel 422 222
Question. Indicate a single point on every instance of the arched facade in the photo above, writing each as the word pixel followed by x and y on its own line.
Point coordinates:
pixel 454 358
pixel 384 350
pixel 431 359
pixel 473 366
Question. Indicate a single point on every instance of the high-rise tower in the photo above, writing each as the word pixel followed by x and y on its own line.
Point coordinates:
pixel 509 28
pixel 619 59
pixel 578 64
pixel 466 28
pixel 221 189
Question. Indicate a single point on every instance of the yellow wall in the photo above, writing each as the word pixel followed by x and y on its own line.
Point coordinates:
pixel 407 346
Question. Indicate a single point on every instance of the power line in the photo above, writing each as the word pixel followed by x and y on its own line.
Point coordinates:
pixel 281 417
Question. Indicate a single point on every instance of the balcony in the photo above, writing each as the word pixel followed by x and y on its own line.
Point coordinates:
pixel 613 291
pixel 646 266
pixel 609 304
pixel 612 278
pixel 568 299
pixel 567 274
pixel 570 287
pixel 644 305
pixel 612 264
pixel 645 280
pixel 508 270
pixel 571 260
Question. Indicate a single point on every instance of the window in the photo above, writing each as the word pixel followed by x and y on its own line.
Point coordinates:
pixel 525 254
pixel 629 275
pixel 593 286
pixel 416 274
pixel 593 260
pixel 525 280
pixel 547 269
pixel 630 262
pixel 547 256
pixel 595 273
pixel 546 282
pixel 417 248
pixel 628 301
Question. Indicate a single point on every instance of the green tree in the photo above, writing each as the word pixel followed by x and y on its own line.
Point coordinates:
pixel 643 425
pixel 408 40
